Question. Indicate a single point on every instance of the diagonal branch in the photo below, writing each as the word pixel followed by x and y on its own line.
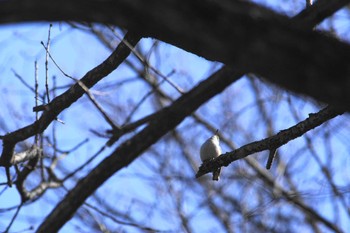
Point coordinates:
pixel 159 124
pixel 270 180
pixel 167 119
pixel 231 32
pixel 319 11
pixel 63 101
pixel 271 143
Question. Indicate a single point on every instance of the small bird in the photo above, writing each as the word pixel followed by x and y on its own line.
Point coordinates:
pixel 210 150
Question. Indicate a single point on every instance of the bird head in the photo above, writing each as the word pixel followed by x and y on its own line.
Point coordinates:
pixel 215 137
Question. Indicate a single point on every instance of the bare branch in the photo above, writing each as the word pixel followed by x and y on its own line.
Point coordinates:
pixel 14 217
pixel 63 101
pixel 272 155
pixel 237 32
pixel 318 11
pixel 167 119
pixel 26 155
pixel 47 64
pixel 272 142
pixel 161 122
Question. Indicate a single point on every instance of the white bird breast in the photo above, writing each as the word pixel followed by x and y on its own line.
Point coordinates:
pixel 210 148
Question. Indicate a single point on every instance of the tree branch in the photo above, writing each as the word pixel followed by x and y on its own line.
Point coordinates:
pixel 319 11
pixel 129 150
pixel 64 100
pixel 167 119
pixel 216 41
pixel 272 142
pixel 249 37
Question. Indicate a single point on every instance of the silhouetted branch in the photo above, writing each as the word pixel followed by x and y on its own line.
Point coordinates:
pixel 271 143
pixel 235 32
pixel 63 101
pixel 167 119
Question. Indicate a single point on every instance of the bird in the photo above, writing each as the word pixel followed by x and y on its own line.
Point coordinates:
pixel 210 150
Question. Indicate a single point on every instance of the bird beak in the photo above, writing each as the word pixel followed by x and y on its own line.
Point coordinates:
pixel 217 132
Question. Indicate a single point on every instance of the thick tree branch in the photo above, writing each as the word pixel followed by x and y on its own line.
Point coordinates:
pixel 272 142
pixel 319 11
pixel 125 154
pixel 230 26
pixel 64 100
pixel 167 119
pixel 238 33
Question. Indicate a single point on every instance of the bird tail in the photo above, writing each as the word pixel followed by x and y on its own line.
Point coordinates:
pixel 216 174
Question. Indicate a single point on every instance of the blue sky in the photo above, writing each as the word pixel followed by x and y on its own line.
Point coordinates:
pixel 76 52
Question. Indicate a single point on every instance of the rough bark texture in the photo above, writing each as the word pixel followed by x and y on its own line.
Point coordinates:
pixel 244 35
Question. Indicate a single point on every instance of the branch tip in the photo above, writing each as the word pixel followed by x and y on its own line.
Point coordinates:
pixel 272 155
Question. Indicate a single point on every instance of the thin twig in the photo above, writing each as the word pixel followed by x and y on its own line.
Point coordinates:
pixel 145 62
pixel 23 81
pixel 111 217
pixel 36 91
pixel 54 124
pixel 84 164
pixel 272 155
pixel 87 91
pixel 47 48
pixel 13 218
pixel 65 153
pixel 139 104
pixel 143 99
